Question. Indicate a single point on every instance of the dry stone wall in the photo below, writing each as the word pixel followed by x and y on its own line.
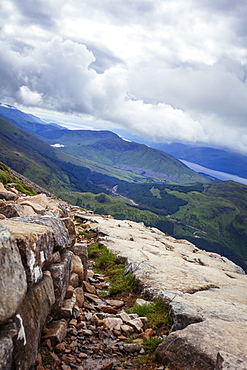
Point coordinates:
pixel 36 267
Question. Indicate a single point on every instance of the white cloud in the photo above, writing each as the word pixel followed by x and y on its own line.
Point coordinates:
pixel 29 97
pixel 174 70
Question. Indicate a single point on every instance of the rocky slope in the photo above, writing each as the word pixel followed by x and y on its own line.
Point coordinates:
pixel 45 275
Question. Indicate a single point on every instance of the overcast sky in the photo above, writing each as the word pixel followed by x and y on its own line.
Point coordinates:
pixel 167 70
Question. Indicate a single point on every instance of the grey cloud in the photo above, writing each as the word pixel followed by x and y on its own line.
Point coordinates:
pixel 37 12
pixel 173 70
pixel 104 58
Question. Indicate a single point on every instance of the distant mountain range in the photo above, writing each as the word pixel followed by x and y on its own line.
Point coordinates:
pixel 105 152
pixel 144 184
pixel 215 159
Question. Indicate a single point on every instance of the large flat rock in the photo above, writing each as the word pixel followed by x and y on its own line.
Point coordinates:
pixel 207 293
pixel 197 346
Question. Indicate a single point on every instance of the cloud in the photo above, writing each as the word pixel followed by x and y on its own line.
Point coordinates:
pixel 29 97
pixel 170 71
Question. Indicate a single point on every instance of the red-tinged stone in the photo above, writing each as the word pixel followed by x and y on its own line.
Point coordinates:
pixel 55 358
pixel 122 337
pixel 79 294
pixel 107 366
pixel 73 322
pixel 117 332
pixel 89 288
pixel 69 291
pixel 147 334
pixel 82 355
pixel 115 303
pixel 108 309
pixel 81 325
pixel 88 306
pixel 73 344
pixel 56 332
pixel 72 359
pixel 47 343
pixel 60 347
pixel 40 367
pixel 39 359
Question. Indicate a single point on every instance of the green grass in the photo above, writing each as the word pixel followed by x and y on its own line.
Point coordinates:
pixel 150 344
pixel 105 263
pixel 156 313
pixel 6 176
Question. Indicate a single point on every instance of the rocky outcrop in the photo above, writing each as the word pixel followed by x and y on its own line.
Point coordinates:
pixel 205 291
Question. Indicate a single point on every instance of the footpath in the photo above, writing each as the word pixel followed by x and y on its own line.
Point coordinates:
pixel 99 334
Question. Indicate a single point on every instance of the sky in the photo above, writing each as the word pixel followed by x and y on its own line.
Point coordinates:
pixel 165 70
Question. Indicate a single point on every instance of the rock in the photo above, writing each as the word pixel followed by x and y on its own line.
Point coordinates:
pixel 69 291
pixel 79 293
pixel 70 226
pixel 124 317
pixel 107 309
pixel 13 284
pixel 132 347
pixel 56 332
pixel 89 288
pixel 17 210
pixel 74 280
pixel 108 366
pixel 35 243
pixel 81 250
pixel 37 208
pixel 203 341
pixel 147 334
pixel 30 319
pixel 2 217
pixel 5 194
pixel 113 323
pixel 66 310
pixel 60 233
pixel 7 332
pixel 141 302
pixel 226 361
pixel 94 298
pixel 60 273
pixel 115 303
pixel 136 324
pixel 127 329
pixel 77 267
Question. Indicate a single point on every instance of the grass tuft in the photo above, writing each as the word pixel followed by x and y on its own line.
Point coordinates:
pixel 105 263
pixel 156 313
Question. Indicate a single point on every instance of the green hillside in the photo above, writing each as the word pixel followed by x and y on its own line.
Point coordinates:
pixel 108 149
pixel 212 216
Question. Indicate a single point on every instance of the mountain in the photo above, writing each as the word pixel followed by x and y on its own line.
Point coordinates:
pixel 215 159
pixel 39 162
pixel 106 153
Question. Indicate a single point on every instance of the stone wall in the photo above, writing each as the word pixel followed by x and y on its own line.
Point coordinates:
pixel 37 262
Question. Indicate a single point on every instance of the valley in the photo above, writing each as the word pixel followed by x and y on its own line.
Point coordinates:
pixel 99 171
